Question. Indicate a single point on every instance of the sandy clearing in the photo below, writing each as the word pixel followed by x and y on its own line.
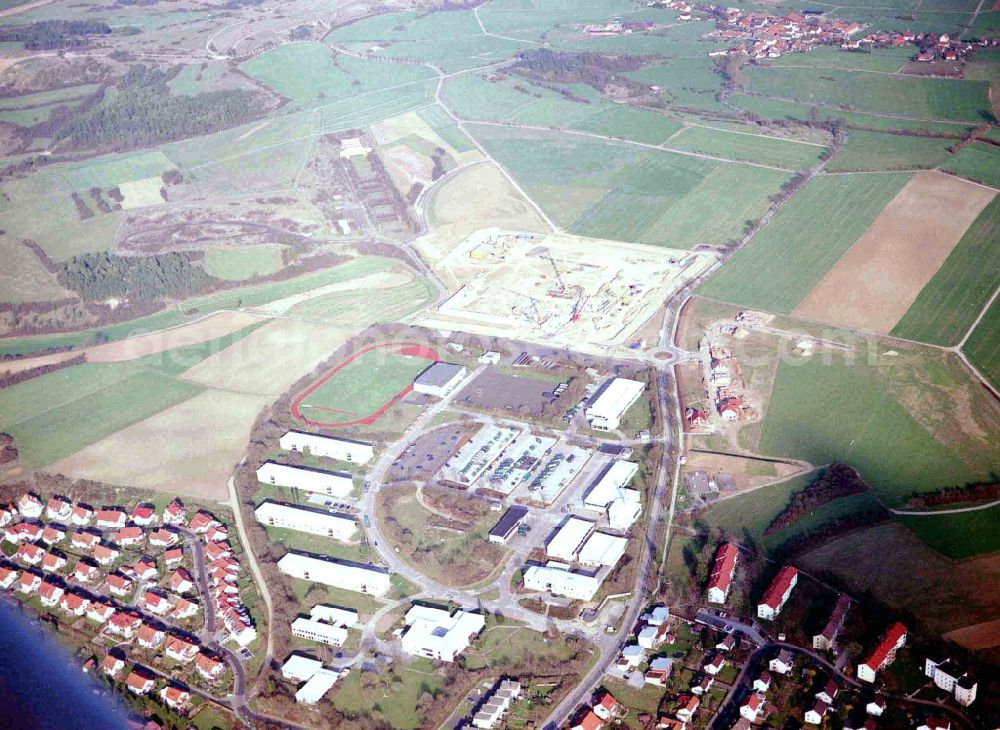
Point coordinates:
pixel 977 636
pixel 382 279
pixel 215 325
pixel 269 360
pixel 188 450
pixel 874 283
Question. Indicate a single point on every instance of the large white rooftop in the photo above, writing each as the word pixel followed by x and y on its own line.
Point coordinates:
pixel 608 484
pixel 436 633
pixel 316 688
pixel 567 541
pixel 603 549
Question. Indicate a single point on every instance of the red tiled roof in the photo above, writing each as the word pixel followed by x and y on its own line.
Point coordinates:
pixel 137 681
pixel 722 568
pixel 143 512
pixel 590 721
pixel 608 700
pixel 885 647
pixel 779 586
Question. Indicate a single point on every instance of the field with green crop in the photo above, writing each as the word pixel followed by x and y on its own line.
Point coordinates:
pixel 875 151
pixel 312 75
pixel 363 386
pixel 239 264
pixel 23 278
pixel 685 82
pixel 389 305
pixel 803 241
pixel 842 411
pixel 885 60
pixel 622 192
pixel 959 535
pixel 983 345
pixel 945 309
pixel 916 97
pixel 979 162
pixel 747 147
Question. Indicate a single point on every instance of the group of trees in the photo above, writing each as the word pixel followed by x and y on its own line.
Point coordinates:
pixel 144 113
pixel 47 35
pixel 836 481
pixel 101 276
pixel 594 69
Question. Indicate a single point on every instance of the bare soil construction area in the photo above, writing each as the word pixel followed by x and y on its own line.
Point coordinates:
pixel 189 449
pixel 873 285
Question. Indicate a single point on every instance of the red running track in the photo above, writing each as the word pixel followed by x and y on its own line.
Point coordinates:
pixel 410 349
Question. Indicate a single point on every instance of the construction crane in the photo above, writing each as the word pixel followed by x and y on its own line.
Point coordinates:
pixel 559 280
pixel 534 304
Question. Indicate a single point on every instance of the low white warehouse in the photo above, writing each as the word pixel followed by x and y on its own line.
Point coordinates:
pixel 332 483
pixel 561 582
pixel 566 543
pixel 357 452
pixel 339 527
pixel 606 408
pixel 369 579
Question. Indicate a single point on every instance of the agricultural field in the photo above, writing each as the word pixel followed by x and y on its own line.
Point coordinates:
pixel 948 305
pixel 239 264
pixel 389 304
pixel 631 194
pixel 807 236
pixel 908 96
pixel 874 151
pixel 747 147
pixel 885 60
pixel 23 278
pixel 959 536
pixel 684 82
pixel 979 162
pixel 360 387
pixel 983 345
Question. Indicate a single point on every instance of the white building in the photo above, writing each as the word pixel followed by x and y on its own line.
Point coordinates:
pixel 339 527
pixel 298 668
pixel 561 582
pixel 436 634
pixel 335 615
pixel 884 653
pixel 611 481
pixel 349 576
pixel 318 685
pixel 322 633
pixel 606 408
pixel 950 677
pixel 602 549
pixel 439 379
pixel 568 540
pixel 335 484
pixel 357 452
pixel 492 710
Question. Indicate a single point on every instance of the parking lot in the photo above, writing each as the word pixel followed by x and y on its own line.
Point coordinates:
pixel 498 392
pixel 424 457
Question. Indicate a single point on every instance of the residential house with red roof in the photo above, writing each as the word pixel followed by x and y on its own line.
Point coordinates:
pixel 815 715
pixel 52 534
pixel 84 540
pixel 753 706
pixel 723 571
pixel 184 609
pixel 105 554
pixel 174 697
pixel 129 536
pixel 53 562
pixel 145 569
pixel 29 582
pixel 50 593
pixel 118 584
pixel 8 577
pixel 144 515
pixel 777 593
pixel 81 515
pixel 139 683
pixel 181 581
pixel 201 521
pixel 607 707
pixel 217 533
pixel 154 603
pixel 74 604
pixel 588 721
pixel 23 532
pixel 100 611
pixel 209 667
pixel 688 706
pixel 111 519
pixel 174 556
pixel 174 513
pixel 884 653
pixel 149 636
pixel 8 513
pixel 29 554
pixel 112 665
pixel 161 537
pixel 124 624
pixel 85 572
pixel 30 506
pixel 59 509
pixel 181 650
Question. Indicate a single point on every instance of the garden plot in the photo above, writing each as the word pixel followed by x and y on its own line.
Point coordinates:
pixel 588 294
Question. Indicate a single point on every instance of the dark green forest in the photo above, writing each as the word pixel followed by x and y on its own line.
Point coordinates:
pixel 100 276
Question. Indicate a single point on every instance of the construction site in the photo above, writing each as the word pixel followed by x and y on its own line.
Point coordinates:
pixel 589 293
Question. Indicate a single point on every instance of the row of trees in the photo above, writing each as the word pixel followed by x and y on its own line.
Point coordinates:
pixel 49 35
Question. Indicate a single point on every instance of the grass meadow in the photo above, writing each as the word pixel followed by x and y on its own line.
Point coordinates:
pixel 748 147
pixel 979 162
pixel 950 302
pixel 803 241
pixel 983 345
pixel 959 536
pixel 875 151
pixel 239 264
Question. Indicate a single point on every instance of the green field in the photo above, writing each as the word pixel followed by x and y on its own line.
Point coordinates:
pixel 747 147
pixel 394 702
pixel 803 241
pixel 249 296
pixel 886 60
pixel 23 278
pixel 685 82
pixel 623 192
pixel 979 162
pixel 960 535
pixel 350 307
pixel 874 151
pixel 239 264
pixel 848 412
pixel 312 75
pixel 910 96
pixel 983 345
pixel 363 386
pixel 945 309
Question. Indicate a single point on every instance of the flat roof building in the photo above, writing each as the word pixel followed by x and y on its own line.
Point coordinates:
pixel 609 403
pixel 568 540
pixel 357 452
pixel 503 529
pixel 492 710
pixel 274 514
pixel 608 485
pixel 334 484
pixel 299 668
pixel 477 454
pixel 561 582
pixel 602 549
pixel 437 634
pixel 334 615
pixel 356 577
pixel 322 633
pixel 318 685
pixel 439 379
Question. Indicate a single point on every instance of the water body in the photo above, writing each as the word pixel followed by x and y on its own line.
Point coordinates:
pixel 41 685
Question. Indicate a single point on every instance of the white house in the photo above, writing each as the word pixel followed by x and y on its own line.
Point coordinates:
pixel 30 506
pixel 315 522
pixel 357 452
pixel 612 400
pixel 561 582
pixel 322 633
pixel 346 617
pixel 332 483
pixel 492 710
pixel 815 715
pixel 883 654
pixel 436 634
pixel 439 379
pixel 782 664
pixel 349 576
pixel 569 539
pixel 950 677
pixel 753 706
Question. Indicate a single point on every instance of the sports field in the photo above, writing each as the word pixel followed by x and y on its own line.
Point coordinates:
pixel 945 309
pixel 363 387
pixel 803 241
